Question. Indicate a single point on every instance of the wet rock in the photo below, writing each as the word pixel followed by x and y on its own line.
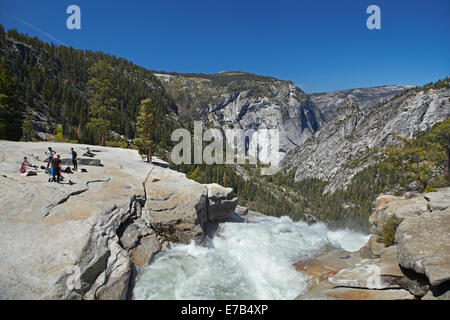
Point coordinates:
pixel 326 266
pixel 325 291
pixel 380 273
pixel 143 253
pixel 221 202
pixel 366 274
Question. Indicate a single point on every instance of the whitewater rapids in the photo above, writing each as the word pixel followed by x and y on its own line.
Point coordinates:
pixel 245 261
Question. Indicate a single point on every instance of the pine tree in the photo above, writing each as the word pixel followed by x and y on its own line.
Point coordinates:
pixel 11 107
pixel 27 128
pixel 440 134
pixel 102 100
pixel 145 127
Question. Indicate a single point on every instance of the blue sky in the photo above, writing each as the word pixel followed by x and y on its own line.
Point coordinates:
pixel 320 45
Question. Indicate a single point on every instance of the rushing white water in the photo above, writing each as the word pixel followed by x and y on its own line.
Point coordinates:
pixel 245 261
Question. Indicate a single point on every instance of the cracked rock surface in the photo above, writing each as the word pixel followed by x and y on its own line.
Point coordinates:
pixel 81 240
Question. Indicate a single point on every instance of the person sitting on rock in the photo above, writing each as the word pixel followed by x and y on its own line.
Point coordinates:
pixel 88 153
pixel 56 167
pixel 26 163
pixel 23 170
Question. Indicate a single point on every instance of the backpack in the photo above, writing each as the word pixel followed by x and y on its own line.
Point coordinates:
pixel 83 170
pixel 67 170
pixel 31 173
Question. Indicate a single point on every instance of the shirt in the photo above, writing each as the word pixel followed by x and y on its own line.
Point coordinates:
pixel 74 155
pixel 55 163
pixel 50 154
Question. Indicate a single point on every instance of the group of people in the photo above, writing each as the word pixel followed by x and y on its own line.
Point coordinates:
pixel 54 164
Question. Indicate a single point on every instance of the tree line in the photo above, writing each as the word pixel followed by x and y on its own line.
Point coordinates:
pixel 90 94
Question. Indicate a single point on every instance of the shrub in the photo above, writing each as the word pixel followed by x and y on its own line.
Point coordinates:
pixel 387 235
pixel 58 135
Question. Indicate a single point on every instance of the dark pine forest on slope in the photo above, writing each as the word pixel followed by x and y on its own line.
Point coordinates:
pixel 92 97
pixel 56 83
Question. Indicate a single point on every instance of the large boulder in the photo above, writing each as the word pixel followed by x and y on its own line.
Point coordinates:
pixel 388 207
pixel 424 245
pixel 366 274
pixel 221 202
pixel 175 208
pixel 439 200
pixel 380 273
pixel 181 210
pixel 327 265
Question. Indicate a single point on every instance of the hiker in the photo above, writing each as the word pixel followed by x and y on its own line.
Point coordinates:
pixel 26 163
pixel 50 153
pixel 56 167
pixel 74 160
pixel 88 153
pixel 128 143
pixel 23 170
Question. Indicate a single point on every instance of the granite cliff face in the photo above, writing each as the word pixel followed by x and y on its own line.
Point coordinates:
pixel 329 103
pixel 85 239
pixel 245 101
pixel 355 135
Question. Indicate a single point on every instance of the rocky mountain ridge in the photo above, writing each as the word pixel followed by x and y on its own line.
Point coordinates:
pixel 247 101
pixel 329 102
pixel 356 136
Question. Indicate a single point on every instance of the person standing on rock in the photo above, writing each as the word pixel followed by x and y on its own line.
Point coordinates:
pixel 50 153
pixel 74 160
pixel 56 167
